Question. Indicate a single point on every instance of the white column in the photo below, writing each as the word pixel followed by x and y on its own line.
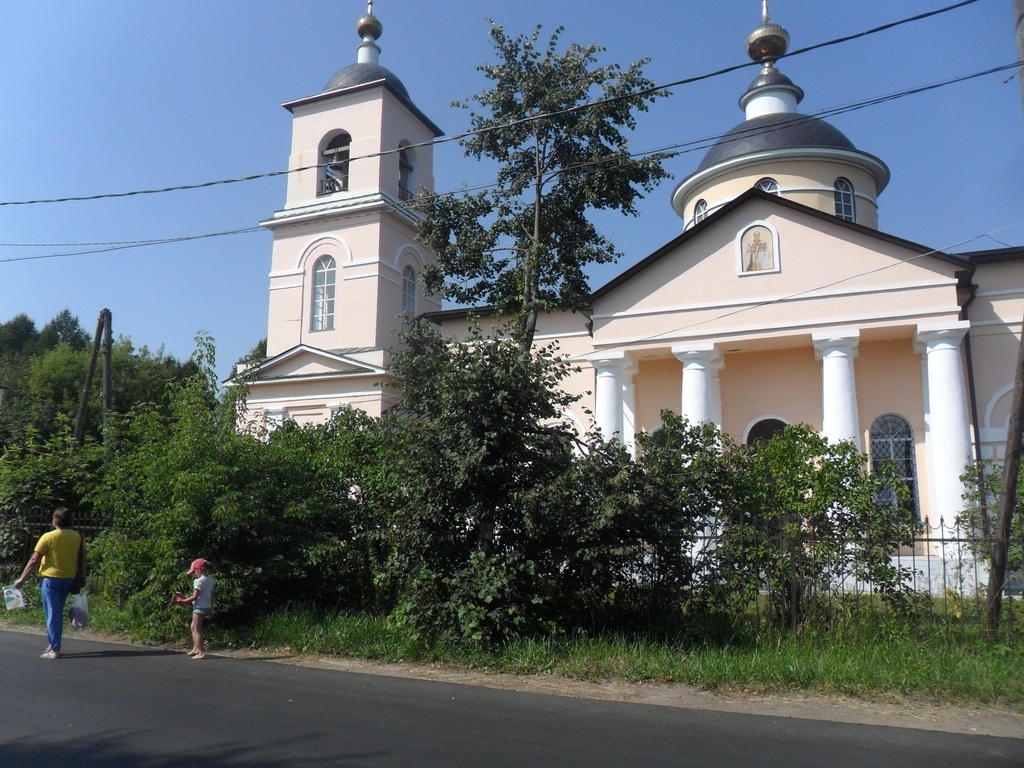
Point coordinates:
pixel 700 400
pixel 947 415
pixel 608 367
pixel 716 392
pixel 629 370
pixel 836 350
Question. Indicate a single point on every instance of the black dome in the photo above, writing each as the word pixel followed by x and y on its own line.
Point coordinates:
pixel 357 74
pixel 773 132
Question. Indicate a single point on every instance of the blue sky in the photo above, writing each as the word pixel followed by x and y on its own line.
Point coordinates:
pixel 114 96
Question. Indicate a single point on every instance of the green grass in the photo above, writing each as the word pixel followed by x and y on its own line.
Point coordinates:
pixel 937 666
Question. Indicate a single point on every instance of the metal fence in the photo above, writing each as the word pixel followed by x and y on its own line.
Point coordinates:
pixel 945 564
pixel 20 531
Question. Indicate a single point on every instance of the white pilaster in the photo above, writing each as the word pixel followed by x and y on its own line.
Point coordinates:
pixel 947 415
pixel 837 349
pixel 701 398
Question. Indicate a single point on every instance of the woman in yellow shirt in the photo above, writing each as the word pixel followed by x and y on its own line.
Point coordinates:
pixel 57 555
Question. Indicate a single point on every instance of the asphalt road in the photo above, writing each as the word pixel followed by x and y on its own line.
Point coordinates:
pixel 105 705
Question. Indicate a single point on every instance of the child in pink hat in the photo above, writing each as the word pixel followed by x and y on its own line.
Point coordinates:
pixel 201 602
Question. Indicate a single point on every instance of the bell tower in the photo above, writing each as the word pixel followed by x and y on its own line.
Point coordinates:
pixel 344 246
pixel 346 265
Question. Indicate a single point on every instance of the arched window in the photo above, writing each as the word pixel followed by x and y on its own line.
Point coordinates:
pixel 700 211
pixel 409 291
pixel 334 171
pixel 405 173
pixel 769 185
pixel 892 441
pixel 324 275
pixel 844 200
pixel 764 430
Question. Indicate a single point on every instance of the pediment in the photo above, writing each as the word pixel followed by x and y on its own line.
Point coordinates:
pixel 767 264
pixel 302 362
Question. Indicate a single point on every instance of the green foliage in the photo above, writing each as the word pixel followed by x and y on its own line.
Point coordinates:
pixel 981 510
pixel 803 518
pixel 480 435
pixel 18 336
pixel 36 477
pixel 279 516
pixel 555 123
pixel 471 513
pixel 65 329
pixel 46 374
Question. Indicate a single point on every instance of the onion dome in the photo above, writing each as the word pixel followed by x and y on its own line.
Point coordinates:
pixel 770 41
pixel 775 138
pixel 770 133
pixel 366 69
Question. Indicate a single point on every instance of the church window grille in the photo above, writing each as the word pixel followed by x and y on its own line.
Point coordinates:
pixel 765 430
pixel 700 211
pixel 769 185
pixel 892 441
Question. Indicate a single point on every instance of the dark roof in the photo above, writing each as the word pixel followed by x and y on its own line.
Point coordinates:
pixel 357 74
pixel 772 78
pixel 994 255
pixel 773 132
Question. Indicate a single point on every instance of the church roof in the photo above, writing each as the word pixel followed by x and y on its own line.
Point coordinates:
pixel 786 130
pixel 364 72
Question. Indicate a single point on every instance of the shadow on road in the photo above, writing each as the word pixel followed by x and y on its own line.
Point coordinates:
pixel 115 654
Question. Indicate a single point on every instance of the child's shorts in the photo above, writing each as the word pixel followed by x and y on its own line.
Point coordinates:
pixel 201 611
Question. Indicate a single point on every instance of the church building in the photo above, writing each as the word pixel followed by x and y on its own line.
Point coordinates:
pixel 778 301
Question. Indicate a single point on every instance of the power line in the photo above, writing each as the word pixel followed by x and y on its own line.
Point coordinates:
pixel 125 245
pixel 457 137
pixel 415 205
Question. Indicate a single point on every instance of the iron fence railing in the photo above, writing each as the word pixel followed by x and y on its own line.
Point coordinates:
pixel 944 563
pixel 20 531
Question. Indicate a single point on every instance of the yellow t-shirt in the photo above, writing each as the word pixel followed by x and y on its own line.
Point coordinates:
pixel 59 549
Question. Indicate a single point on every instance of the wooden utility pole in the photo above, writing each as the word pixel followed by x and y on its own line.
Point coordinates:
pixel 102 334
pixel 1018 10
pixel 1011 465
pixel 1007 497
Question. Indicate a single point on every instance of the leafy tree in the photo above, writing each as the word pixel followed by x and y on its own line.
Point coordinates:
pixel 555 123
pixel 46 373
pixel 18 336
pixel 481 434
pixel 64 328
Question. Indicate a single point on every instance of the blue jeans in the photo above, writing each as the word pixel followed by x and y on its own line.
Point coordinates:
pixel 55 593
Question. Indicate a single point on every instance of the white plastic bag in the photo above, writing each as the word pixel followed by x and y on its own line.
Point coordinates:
pixel 13 598
pixel 79 611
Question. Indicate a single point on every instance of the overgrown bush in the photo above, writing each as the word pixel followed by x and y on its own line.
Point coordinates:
pixel 803 521
pixel 279 516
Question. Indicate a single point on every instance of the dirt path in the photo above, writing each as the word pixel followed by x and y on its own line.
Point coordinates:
pixel 901 713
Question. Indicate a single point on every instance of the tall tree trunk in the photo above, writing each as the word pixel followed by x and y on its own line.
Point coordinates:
pixel 1007 500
